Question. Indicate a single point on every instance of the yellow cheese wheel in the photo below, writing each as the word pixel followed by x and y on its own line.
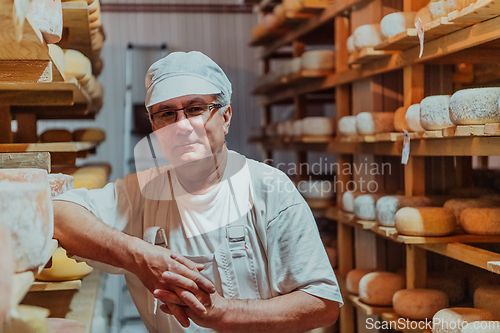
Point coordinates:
pixel 89 135
pixel 353 278
pixel 425 221
pixel 378 288
pixel 64 268
pixel 419 304
pixel 481 221
pixel 56 135
pixel 57 56
pixel 77 65
pixel 488 298
pixel 452 320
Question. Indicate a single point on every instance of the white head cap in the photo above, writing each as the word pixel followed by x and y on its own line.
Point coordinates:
pixel 181 74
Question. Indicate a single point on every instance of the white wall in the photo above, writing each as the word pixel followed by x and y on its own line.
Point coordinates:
pixel 223 37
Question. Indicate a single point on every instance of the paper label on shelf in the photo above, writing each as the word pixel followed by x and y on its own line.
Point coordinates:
pixel 406 148
pixel 420 32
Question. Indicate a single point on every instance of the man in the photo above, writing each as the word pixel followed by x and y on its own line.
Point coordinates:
pixel 237 221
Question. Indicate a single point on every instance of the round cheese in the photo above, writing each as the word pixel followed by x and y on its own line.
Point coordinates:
pixel 292 5
pixel 364 206
pixel 395 23
pixel 92 8
pixel 348 200
pixel 475 106
pixel 352 279
pixel 387 207
pixel 458 205
pixel 451 285
pixel 488 298
pixel 412 117
pixel 57 56
pixel 64 268
pixel 56 135
pixel 297 127
pixel 419 304
pixel 347 125
pixel 59 183
pixel 89 135
pixel 258 31
pixel 369 123
pixel 318 126
pixel 400 123
pixel 318 59
pixel 47 16
pixel 367 35
pixel 481 279
pixel 378 288
pixel 77 65
pixel 316 189
pixel 481 221
pixel 26 210
pixel 425 221
pixel 452 320
pixel 350 44
pixel 435 112
pixel 288 127
pixel 482 327
pixel 423 16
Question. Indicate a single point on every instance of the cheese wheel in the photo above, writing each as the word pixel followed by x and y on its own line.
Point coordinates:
pixel 367 35
pixel 26 209
pixel 352 279
pixel 318 126
pixel 419 304
pixel 423 16
pixel 475 106
pixel 413 118
pixel 348 200
pixel 258 31
pixel 395 23
pixel 297 127
pixel 458 205
pixel 279 11
pixel 316 189
pixel 56 135
pixel 481 279
pixel 364 206
pixel 288 127
pixel 378 288
pixel 387 207
pixel 57 56
pixel 77 65
pixel 488 298
pixel 292 5
pixel 59 183
pixel 452 320
pixel 6 272
pixel 435 112
pixel 319 59
pixel 93 7
pixel 350 44
pixel 47 16
pixel 89 135
pixel 347 125
pixel 481 221
pixel 437 10
pixel 64 268
pixel 453 286
pixel 97 65
pixel 369 123
pixel 425 221
pixel 400 123
pixel 482 327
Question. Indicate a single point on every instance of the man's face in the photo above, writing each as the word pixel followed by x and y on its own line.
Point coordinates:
pixel 191 140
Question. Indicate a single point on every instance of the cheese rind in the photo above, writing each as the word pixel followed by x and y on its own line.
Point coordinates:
pixel 413 118
pixel 367 35
pixel 352 279
pixel 458 205
pixel 47 16
pixel 452 320
pixel 369 123
pixel 60 183
pixel 400 123
pixel 57 55
pixel 364 206
pixel 425 221
pixel 488 298
pixel 56 135
pixel 318 126
pixel 481 221
pixel 378 288
pixel 350 44
pixel 482 327
pixel 347 125
pixel 77 65
pixel 348 200
pixel 435 113
pixel 318 59
pixel 475 106
pixel 387 207
pixel 419 304
pixel 395 23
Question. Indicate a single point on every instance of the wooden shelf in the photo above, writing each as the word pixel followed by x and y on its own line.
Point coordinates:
pixel 320 204
pixel 76 27
pixel 405 325
pixel 369 310
pixel 367 55
pixel 478 11
pixel 53 286
pixel 301 77
pixel 54 147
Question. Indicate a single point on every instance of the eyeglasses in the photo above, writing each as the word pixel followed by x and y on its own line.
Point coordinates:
pixel 169 116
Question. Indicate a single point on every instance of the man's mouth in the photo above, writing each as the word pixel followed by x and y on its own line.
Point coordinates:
pixel 185 144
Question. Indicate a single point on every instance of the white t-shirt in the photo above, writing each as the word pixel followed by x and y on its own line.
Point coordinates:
pixel 289 254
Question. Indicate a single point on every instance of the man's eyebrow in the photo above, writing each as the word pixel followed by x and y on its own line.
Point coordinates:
pixel 195 100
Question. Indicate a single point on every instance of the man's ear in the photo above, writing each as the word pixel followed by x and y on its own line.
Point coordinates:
pixel 227 119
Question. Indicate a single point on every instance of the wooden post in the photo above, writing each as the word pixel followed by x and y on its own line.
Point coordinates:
pixel 416 267
pixel 415 176
pixel 26 128
pixel 5 125
pixel 413 82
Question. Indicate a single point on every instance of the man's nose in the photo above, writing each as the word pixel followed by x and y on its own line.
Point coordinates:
pixel 183 124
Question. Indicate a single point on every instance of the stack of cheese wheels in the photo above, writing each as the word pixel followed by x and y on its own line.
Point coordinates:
pixel 57 56
pixel 481 221
pixel 64 268
pixel 77 65
pixel 369 123
pixel 350 44
pixel 458 205
pixel 423 16
pixel 26 209
pixel 425 221
pixel 316 189
pixel 297 127
pixel 352 279
pixel 419 304
pixel 378 288
pixel 348 200
pixel 435 113
pixel 482 326
pixel 388 206
pixel 475 106
pixel 95 91
pixel 47 15
pixel 95 17
pixel 367 35
pixel 400 123
pixel 6 272
pixel 396 23
pixel 452 320
pixel 60 183
pixel 318 126
pixel 347 126
pixel 56 135
pixel 452 285
pixel 412 118
pixel 488 298
pixel 318 59
pixel 364 206
pixel 89 135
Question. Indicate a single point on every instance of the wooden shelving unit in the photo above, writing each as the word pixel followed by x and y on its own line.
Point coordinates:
pixel 470 35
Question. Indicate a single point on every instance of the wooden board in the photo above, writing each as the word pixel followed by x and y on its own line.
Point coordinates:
pixel 52 286
pixel 56 147
pixel 320 203
pixel 368 54
pixel 389 137
pixel 401 41
pixel 369 310
pixel 313 6
pixel 433 134
pixel 38 160
pixel 316 138
pixel 492 129
pixel 478 11
pixel 464 130
pixel 407 326
pixel 76 28
pixel 301 77
pixel 440 27
pixel 463 238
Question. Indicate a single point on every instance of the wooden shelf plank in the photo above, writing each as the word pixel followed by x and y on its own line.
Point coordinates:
pixel 302 77
pixel 367 55
pixel 55 147
pixel 478 11
pixel 39 160
pixel 401 41
pixel 369 310
pixel 405 325
pixel 76 27
pixel 320 203
pixel 309 6
pixel 52 286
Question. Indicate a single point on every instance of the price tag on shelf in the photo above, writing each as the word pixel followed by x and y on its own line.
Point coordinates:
pixel 420 33
pixel 406 148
